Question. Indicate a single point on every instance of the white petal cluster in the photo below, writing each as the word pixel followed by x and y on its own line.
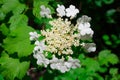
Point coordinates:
pixel 45 12
pixel 33 36
pixel 39 46
pixel 41 59
pixel 84 27
pixel 69 12
pixel 61 10
pixel 61 37
pixel 62 65
pixel 38 53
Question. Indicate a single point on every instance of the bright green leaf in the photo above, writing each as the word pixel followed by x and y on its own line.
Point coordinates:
pixel 9 5
pixel 20 42
pixel 11 68
pixel 113 59
pixel 106 57
pixel 91 64
pixel 17 21
pixel 4 29
pixel 19 9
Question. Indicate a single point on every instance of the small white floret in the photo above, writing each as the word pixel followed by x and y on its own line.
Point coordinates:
pixel 71 11
pixel 61 10
pixel 45 12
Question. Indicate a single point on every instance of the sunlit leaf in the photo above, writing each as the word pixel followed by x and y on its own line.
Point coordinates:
pixel 18 41
pixel 11 68
pixel 4 29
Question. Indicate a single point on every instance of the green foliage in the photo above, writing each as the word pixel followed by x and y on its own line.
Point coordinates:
pixel 4 29
pixel 12 5
pixel 105 57
pixel 11 68
pixel 18 41
pixel 111 40
pixel 1 77
pixel 99 3
pixel 109 15
pixel 91 65
pixel 18 21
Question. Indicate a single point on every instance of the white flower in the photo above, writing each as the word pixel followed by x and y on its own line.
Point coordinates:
pixel 41 60
pixel 45 12
pixel 58 64
pixel 33 35
pixel 61 10
pixel 71 11
pixel 40 46
pixel 90 47
pixel 72 63
pixel 85 31
pixel 63 66
pixel 84 27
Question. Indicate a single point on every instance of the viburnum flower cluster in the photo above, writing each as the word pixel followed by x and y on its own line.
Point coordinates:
pixel 56 48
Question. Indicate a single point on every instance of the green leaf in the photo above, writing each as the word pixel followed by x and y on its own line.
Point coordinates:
pixel 106 37
pixel 1 77
pixel 108 1
pixel 113 59
pixel 19 9
pixel 98 3
pixel 113 71
pixel 108 43
pixel 106 57
pixel 9 5
pixel 91 64
pixel 109 15
pixel 114 37
pixel 4 29
pixel 11 68
pixel 17 21
pixel 2 15
pixel 18 41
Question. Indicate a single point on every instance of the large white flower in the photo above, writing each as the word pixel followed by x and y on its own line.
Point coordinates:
pixel 71 11
pixel 33 36
pixel 45 12
pixel 61 10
